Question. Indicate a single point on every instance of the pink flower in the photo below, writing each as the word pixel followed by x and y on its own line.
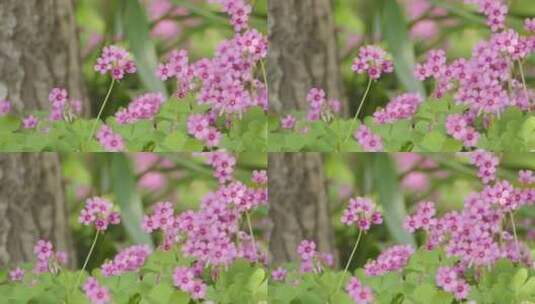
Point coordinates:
pixel 359 293
pixel 143 107
pixel 16 275
pixel 362 212
pixel 288 122
pixel 373 60
pixel 184 279
pixel 95 292
pixel 30 122
pixel 110 141
pixel 5 107
pixel 115 60
pixel 369 141
pixel 392 259
pixel 306 249
pixel 279 274
pixel 129 259
pixel 401 107
pixel 99 212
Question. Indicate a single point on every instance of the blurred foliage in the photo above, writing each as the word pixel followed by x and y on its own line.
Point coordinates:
pixel 397 181
pixel 134 182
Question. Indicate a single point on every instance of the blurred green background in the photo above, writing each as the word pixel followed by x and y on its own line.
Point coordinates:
pixel 398 181
pixel 150 29
pixel 408 29
pixel 134 182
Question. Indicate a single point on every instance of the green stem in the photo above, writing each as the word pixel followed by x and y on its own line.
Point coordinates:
pixel 514 232
pixel 264 74
pixel 86 260
pixel 349 261
pixel 370 81
pixel 251 230
pixel 101 110
pixel 523 79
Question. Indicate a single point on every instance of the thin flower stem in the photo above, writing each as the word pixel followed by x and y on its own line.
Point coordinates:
pixel 523 79
pixel 264 74
pixel 349 261
pixel 86 260
pixel 370 81
pixel 251 231
pixel 514 232
pixel 101 110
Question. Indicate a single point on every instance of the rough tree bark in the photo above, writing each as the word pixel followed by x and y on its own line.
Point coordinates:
pixel 302 53
pixel 38 51
pixel 32 206
pixel 298 205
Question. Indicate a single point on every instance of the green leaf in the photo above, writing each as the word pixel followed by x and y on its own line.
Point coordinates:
pixel 391 199
pixel 399 45
pixel 123 185
pixel 137 32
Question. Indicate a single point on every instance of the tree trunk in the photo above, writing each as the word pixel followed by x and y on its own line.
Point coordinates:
pixel 32 206
pixel 298 205
pixel 38 51
pixel 302 53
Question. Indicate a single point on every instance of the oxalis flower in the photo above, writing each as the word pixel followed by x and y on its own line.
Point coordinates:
pixel 117 61
pixel 361 212
pixel 98 211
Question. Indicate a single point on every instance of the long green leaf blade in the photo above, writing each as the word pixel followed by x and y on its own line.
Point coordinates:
pixel 400 46
pixel 136 28
pixel 386 184
pixel 123 186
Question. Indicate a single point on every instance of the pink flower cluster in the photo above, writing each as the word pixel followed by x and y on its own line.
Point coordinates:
pixel 422 218
pixel 209 234
pixel 223 164
pixel 369 141
pixel 372 60
pixel 239 11
pixel 226 82
pixel 145 106
pixel 110 141
pixel 319 107
pixel 96 293
pixel 311 259
pixel 115 60
pixel 201 127
pixel 483 81
pixel 358 292
pixel 475 235
pixel 361 212
pixel 392 259
pixel 184 279
pixel 401 107
pixel 450 280
pixel 61 105
pixel 487 163
pixel 5 107
pixel 44 251
pixel 30 122
pixel 98 211
pixel 127 260
pixel 495 10
pixel 279 274
pixel 458 126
